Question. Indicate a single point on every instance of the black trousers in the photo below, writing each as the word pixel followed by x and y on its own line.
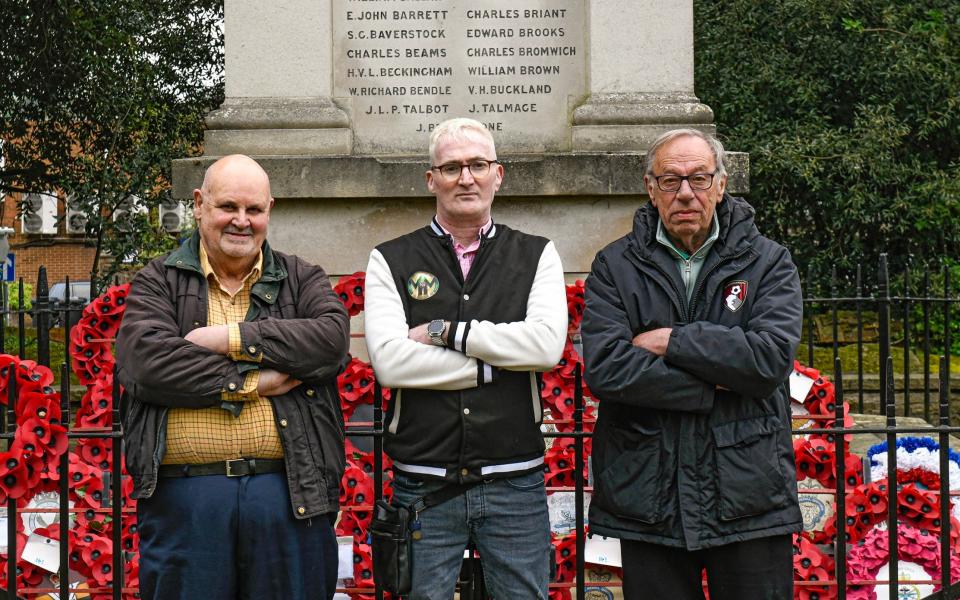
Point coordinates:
pixel 760 569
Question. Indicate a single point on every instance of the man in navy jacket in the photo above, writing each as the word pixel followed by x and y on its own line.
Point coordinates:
pixel 691 324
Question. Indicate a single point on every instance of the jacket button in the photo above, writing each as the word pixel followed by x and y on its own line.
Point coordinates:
pixel 301 510
pixel 252 349
pixel 283 422
pixel 464 472
pixel 179 262
pixel 466 411
pixel 268 296
pixel 466 296
pixel 310 392
pixel 196 323
pixel 231 386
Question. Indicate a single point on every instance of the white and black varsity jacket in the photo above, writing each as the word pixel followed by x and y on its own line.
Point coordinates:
pixel 470 411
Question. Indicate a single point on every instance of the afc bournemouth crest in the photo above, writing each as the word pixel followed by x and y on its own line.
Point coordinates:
pixel 422 285
pixel 734 295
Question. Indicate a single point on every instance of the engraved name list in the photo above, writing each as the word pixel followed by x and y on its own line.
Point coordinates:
pixel 403 66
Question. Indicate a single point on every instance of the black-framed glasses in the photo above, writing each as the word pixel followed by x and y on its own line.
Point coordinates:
pixel 697 181
pixel 451 171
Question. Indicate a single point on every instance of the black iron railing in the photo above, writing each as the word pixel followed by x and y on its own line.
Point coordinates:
pixel 912 305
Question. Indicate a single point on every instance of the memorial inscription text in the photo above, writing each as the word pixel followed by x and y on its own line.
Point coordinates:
pixel 403 66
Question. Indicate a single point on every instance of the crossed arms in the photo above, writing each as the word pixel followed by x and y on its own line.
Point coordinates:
pixel 680 368
pixel 163 366
pixel 536 343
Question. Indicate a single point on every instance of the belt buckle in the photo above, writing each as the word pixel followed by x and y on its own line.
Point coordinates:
pixel 229 465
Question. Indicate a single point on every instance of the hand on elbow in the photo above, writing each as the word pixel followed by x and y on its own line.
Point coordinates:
pixel 654 341
pixel 275 383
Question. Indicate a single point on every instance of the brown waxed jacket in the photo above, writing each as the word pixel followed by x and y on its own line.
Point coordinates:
pixel 295 320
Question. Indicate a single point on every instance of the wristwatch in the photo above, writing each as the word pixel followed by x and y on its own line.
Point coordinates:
pixel 435 330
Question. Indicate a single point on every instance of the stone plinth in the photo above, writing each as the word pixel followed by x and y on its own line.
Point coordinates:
pixel 337 98
pixel 333 210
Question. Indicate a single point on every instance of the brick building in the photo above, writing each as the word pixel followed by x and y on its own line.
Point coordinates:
pixel 46 242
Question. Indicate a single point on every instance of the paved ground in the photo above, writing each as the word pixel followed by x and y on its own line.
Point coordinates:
pixel 862 442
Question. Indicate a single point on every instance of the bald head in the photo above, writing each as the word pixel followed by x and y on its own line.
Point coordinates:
pixel 232 208
pixel 232 167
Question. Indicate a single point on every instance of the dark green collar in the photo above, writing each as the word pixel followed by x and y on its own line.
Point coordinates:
pixel 187 257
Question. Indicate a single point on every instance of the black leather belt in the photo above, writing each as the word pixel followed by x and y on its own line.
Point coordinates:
pixel 231 468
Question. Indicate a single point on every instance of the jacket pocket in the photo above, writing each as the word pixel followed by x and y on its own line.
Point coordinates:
pixel 630 485
pixel 748 467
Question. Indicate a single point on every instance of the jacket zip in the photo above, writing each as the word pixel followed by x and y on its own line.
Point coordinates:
pixel 688 266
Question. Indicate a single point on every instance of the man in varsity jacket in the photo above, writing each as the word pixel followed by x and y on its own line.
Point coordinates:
pixel 461 315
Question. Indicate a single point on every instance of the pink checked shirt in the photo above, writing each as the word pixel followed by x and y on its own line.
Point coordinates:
pixel 466 254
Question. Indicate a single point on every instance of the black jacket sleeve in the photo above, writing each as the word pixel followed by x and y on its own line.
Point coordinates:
pixel 618 371
pixel 755 359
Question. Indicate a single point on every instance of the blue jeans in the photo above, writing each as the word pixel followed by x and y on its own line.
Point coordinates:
pixel 507 521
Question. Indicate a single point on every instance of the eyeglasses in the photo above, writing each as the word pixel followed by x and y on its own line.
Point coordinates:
pixel 697 181
pixel 479 168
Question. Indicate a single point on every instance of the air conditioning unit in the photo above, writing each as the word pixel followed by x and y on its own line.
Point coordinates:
pixel 39 214
pixel 125 214
pixel 172 215
pixel 76 219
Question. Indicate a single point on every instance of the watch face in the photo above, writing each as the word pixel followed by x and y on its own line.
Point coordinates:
pixel 435 328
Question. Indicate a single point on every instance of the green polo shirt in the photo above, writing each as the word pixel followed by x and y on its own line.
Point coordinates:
pixel 689 264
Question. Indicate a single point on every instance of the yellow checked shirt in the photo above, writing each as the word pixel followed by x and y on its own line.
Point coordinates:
pixel 213 434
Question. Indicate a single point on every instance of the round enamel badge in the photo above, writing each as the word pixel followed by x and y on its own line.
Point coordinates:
pixel 422 285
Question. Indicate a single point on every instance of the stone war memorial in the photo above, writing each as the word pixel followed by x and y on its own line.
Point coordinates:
pixel 336 99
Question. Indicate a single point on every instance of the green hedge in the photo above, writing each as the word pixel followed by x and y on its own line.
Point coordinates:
pixel 851 114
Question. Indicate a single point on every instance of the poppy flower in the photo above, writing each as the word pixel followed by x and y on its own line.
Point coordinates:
pixel 362 565
pixel 36 467
pixel 89 416
pixel 43 437
pixel 8 364
pixel 350 291
pixel 575 304
pixel 557 394
pixel 568 361
pixel 354 523
pixel 13 473
pixel 112 302
pixel 102 570
pixel 355 384
pixel 853 470
pixel 96 451
pixel 876 495
pixel 130 534
pixel 32 377
pixel 589 422
pixel 565 553
pixel 81 473
pixel 356 487
pixel 39 405
pixel 364 460
pixel 95 548
pixel 93 493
